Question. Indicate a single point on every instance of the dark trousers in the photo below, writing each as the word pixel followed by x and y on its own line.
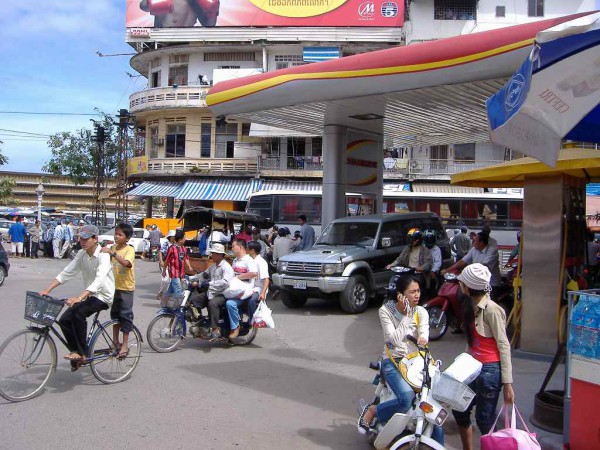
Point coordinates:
pixel 214 305
pixel 26 245
pixel 34 249
pixel 48 250
pixel 73 323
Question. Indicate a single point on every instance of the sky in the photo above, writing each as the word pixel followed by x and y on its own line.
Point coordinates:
pixel 49 65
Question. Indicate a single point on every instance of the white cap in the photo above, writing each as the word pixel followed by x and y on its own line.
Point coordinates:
pixel 476 276
pixel 217 248
pixel 171 233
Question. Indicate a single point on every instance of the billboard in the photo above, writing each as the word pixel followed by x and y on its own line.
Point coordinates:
pixel 137 165
pixel 264 13
pixel 364 170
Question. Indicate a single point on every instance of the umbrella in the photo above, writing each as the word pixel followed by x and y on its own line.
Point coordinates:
pixel 554 95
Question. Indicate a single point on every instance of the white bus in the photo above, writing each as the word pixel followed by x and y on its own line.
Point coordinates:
pixel 501 210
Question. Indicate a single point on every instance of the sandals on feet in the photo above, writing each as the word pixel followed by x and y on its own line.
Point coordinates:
pixel 123 354
pixel 74 357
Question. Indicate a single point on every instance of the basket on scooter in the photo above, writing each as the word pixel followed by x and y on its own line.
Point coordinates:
pixel 452 392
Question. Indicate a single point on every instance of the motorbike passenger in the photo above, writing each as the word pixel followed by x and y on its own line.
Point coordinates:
pixel 430 238
pixel 485 326
pixel 244 268
pixel 213 282
pixel 399 318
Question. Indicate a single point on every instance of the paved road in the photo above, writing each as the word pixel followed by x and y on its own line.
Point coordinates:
pixel 295 387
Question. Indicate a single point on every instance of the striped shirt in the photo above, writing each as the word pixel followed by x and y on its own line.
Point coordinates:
pixel 175 261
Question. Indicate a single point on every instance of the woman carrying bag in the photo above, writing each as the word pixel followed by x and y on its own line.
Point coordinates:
pixel 485 326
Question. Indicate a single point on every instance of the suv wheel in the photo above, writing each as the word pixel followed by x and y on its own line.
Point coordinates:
pixel 2 275
pixel 292 301
pixel 355 298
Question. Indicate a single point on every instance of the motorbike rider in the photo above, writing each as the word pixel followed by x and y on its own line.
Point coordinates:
pixel 415 255
pixel 213 282
pixel 485 326
pixel 154 238
pixel 429 239
pixel 461 243
pixel 399 318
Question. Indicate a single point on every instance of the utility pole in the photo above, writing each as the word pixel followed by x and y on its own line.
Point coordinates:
pixel 99 212
pixel 121 212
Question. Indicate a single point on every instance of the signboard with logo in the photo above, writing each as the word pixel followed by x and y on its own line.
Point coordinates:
pixel 363 163
pixel 263 13
pixel 136 165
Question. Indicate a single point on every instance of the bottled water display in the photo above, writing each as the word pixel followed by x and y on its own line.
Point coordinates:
pixel 585 327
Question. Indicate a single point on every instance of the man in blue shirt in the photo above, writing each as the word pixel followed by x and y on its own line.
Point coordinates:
pixel 307 234
pixel 17 237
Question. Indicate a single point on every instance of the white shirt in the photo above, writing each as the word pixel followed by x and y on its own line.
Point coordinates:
pixel 436 254
pixel 96 271
pixel 263 273
pixel 245 264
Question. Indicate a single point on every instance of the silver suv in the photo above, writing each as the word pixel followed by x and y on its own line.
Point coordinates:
pixel 350 257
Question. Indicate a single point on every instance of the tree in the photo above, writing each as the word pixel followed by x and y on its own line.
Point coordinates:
pixel 3 159
pixel 75 154
pixel 6 185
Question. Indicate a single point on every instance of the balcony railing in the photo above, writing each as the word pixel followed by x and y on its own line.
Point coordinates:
pixel 290 163
pixel 201 166
pixel 168 97
pixel 415 168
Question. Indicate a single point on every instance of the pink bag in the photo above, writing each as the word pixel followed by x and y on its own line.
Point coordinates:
pixel 510 438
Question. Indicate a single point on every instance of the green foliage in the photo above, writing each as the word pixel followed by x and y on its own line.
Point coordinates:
pixel 3 158
pixel 6 189
pixel 76 154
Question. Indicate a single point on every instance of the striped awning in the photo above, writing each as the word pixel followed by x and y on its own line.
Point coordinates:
pixel 316 54
pixel 211 189
pixel 156 189
pixel 281 185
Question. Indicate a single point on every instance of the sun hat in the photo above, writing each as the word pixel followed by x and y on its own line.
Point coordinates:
pixel 171 233
pixel 217 226
pixel 217 248
pixel 87 231
pixel 476 276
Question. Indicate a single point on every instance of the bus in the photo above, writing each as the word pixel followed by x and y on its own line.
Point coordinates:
pixel 502 209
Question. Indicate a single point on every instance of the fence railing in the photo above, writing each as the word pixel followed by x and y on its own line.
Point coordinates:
pixel 290 163
pixel 430 167
pixel 201 165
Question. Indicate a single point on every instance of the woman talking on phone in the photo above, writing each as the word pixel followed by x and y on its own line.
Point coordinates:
pixel 399 318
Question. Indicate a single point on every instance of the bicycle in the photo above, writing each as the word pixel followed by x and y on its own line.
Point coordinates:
pixel 28 357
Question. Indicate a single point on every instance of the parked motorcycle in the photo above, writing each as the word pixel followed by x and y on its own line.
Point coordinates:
pixel 73 249
pixel 444 309
pixel 436 394
pixel 169 327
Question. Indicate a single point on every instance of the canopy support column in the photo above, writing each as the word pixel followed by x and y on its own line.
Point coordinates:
pixel 334 173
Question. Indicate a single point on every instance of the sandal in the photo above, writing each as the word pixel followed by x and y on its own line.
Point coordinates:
pixel 74 357
pixel 123 354
pixel 77 363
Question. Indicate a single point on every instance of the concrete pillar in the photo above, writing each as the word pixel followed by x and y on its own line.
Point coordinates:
pixel 542 255
pixel 170 207
pixel 148 207
pixel 283 153
pixel 334 173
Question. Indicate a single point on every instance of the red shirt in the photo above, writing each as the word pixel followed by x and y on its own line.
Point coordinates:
pixel 245 236
pixel 175 261
pixel 484 349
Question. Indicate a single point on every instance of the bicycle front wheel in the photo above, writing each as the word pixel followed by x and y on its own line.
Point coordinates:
pixel 106 364
pixel 164 333
pixel 27 360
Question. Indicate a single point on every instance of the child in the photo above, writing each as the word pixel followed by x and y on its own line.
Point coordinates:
pixel 176 262
pixel 122 259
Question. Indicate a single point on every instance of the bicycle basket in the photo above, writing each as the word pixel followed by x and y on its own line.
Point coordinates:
pixel 40 309
pixel 174 301
pixel 452 392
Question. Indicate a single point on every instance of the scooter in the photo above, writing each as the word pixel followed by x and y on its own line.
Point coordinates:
pixel 168 329
pixel 436 394
pixel 154 249
pixel 444 309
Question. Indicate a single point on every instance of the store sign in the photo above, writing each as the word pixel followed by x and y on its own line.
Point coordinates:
pixel 137 165
pixel 139 32
pixel 363 161
pixel 263 13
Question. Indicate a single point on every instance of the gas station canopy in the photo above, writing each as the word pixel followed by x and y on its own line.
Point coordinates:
pixel 431 93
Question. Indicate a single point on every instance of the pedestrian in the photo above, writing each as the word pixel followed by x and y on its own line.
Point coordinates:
pixel 461 243
pixel 307 234
pixel 17 237
pixel 283 245
pixel 96 271
pixel 57 238
pixel 47 240
pixel 123 259
pixel 485 326
pixel 176 262
pixel 68 237
pixel 35 232
pixel 203 236
pixel 256 237
pixel 26 239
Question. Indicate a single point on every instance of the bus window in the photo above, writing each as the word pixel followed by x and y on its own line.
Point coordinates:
pixel 397 206
pixel 261 205
pixel 291 207
pixel 515 216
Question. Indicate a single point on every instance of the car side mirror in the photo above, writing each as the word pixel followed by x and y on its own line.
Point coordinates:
pixel 386 242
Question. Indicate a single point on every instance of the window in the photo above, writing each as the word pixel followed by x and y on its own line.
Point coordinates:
pixel 500 11
pixel 455 9
pixel 285 61
pixel 290 207
pixel 317 146
pixel 225 137
pixel 229 67
pixel 140 141
pixel 230 56
pixel 153 142
pixel 439 157
pixel 175 141
pixel 261 205
pixel 205 138
pixel 464 152
pixel 155 79
pixel 178 75
pixel 535 8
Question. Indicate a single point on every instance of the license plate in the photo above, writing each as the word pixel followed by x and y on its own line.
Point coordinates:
pixel 299 284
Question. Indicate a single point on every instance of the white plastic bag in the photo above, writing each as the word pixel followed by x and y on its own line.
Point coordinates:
pixel 263 317
pixel 238 289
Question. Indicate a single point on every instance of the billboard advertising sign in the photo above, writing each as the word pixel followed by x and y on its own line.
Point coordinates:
pixel 137 165
pixel 264 13
pixel 363 163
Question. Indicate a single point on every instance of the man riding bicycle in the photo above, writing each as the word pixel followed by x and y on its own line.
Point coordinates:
pixel 96 270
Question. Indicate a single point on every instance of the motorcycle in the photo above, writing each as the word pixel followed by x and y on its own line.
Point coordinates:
pixel 154 249
pixel 170 326
pixel 73 249
pixel 436 394
pixel 444 309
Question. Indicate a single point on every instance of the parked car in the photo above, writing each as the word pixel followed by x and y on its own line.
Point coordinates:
pixel 4 226
pixel 4 265
pixel 136 241
pixel 350 257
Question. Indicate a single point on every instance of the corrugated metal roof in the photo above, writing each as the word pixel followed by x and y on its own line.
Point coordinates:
pixel 445 189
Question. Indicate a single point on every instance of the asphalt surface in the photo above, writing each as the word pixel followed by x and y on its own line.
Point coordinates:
pixel 296 386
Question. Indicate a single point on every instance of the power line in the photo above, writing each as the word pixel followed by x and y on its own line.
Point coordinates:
pixel 24 132
pixel 50 113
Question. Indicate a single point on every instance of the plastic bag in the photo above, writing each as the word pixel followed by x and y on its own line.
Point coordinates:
pixel 238 289
pixel 263 317
pixel 510 438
